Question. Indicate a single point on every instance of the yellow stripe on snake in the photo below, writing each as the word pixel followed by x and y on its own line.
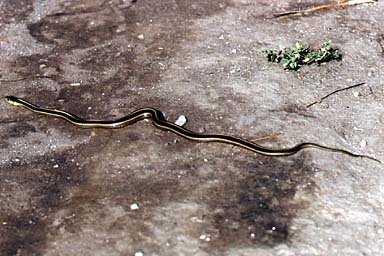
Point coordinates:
pixel 159 121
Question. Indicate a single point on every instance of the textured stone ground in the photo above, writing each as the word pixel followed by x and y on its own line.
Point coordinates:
pixel 71 191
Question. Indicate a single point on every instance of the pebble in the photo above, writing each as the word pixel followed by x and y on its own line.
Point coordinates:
pixel 363 143
pixel 181 120
pixel 205 238
pixel 134 207
pixel 357 94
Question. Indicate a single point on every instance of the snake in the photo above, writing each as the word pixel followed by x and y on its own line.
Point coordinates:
pixel 159 121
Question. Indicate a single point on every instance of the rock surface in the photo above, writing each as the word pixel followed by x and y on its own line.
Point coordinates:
pixel 70 191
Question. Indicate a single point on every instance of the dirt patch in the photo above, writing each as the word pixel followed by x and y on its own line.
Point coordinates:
pixel 15 11
pixel 256 207
pixel 45 183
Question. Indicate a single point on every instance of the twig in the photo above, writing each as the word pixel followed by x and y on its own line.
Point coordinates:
pixel 325 6
pixel 266 137
pixel 339 90
pixel 25 78
pixel 380 40
pixel 14 121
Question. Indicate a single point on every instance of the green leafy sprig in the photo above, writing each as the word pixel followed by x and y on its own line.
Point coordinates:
pixel 295 57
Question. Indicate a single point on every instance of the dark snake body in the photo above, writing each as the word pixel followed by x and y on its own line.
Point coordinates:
pixel 158 120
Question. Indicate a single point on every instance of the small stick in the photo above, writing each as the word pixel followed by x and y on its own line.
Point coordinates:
pixel 325 6
pixel 339 90
pixel 25 78
pixel 380 40
pixel 266 137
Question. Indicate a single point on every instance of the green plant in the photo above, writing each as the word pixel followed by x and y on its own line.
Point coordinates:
pixel 295 57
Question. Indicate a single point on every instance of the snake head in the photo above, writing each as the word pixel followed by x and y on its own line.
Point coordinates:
pixel 14 101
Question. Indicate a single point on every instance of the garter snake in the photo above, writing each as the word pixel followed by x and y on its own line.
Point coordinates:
pixel 159 121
